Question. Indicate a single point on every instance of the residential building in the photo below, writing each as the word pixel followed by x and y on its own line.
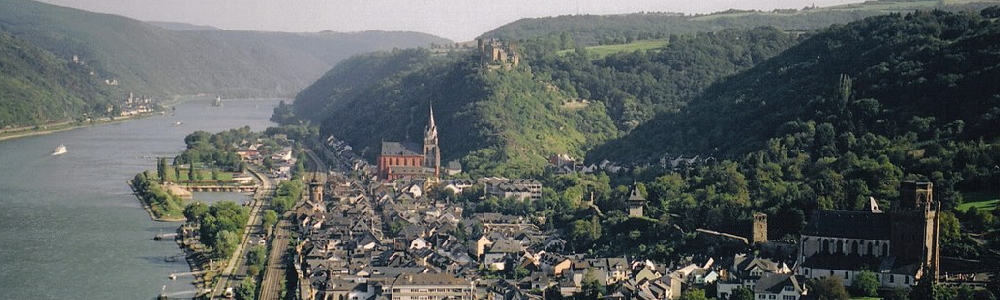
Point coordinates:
pixel 430 286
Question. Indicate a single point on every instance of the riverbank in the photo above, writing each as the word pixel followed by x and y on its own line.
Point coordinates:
pixel 149 209
pixel 9 134
pixel 62 126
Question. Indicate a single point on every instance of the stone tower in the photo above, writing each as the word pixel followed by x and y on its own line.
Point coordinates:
pixel 916 227
pixel 635 203
pixel 915 195
pixel 432 154
pixel 316 194
pixel 759 234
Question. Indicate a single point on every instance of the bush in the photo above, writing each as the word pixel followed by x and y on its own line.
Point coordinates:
pixel 865 284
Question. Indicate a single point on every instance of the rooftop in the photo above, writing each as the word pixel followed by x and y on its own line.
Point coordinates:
pixel 404 148
pixel 865 225
pixel 429 279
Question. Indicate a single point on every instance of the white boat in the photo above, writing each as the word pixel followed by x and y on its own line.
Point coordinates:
pixel 59 150
pixel 178 123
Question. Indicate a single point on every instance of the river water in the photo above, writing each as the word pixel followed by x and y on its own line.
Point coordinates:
pixel 70 227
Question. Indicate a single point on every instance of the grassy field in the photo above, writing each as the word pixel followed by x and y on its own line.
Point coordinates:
pixel 882 6
pixel 981 201
pixel 605 50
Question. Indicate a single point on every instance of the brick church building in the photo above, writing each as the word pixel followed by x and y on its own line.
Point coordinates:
pixel 406 160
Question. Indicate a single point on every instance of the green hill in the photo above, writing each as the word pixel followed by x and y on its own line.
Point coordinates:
pixel 618 29
pixel 500 121
pixel 150 60
pixel 505 121
pixel 36 86
pixel 850 112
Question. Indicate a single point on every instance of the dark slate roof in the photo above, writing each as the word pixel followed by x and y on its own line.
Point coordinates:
pixel 774 282
pixel 744 264
pixel 890 264
pixel 863 225
pixel 635 195
pixel 506 246
pixel 404 148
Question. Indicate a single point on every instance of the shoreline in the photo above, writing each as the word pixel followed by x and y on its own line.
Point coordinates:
pixel 149 210
pixel 65 126
pixel 71 125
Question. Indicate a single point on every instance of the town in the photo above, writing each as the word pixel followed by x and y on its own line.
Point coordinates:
pixel 393 230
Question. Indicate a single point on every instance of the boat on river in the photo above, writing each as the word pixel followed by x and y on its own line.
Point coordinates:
pixel 59 150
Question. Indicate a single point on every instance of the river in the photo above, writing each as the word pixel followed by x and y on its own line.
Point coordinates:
pixel 71 229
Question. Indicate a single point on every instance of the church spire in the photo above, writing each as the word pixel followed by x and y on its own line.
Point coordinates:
pixel 432 154
pixel 431 132
pixel 430 124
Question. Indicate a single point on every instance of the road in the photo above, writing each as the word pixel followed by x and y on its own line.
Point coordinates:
pixel 237 263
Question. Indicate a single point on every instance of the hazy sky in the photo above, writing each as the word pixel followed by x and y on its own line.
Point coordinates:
pixel 459 20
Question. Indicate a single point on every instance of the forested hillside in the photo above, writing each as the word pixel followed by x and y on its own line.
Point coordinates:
pixel 350 77
pixel 150 60
pixel 845 115
pixel 36 86
pixel 636 85
pixel 617 29
pixel 500 121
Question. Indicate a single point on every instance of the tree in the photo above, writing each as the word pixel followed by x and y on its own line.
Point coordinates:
pixel 828 288
pixel 896 294
pixel 225 244
pixel 592 288
pixel 161 169
pixel 693 294
pixel 741 293
pixel 520 272
pixel 247 289
pixel 257 256
pixel 270 219
pixel 191 172
pixel 865 284
pixel 196 212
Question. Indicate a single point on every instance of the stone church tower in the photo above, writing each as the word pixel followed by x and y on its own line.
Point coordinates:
pixel 916 226
pixel 759 234
pixel 432 154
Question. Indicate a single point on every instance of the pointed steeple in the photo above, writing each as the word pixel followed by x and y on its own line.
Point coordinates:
pixel 431 132
pixel 430 124
pixel 432 154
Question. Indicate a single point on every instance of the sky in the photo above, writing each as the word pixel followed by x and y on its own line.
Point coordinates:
pixel 458 20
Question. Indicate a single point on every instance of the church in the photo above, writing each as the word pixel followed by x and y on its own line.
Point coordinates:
pixel 900 245
pixel 406 160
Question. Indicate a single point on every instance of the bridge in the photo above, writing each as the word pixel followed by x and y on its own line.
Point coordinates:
pixel 220 188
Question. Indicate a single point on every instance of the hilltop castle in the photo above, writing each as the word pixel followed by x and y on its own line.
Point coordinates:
pixel 405 160
pixel 496 53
